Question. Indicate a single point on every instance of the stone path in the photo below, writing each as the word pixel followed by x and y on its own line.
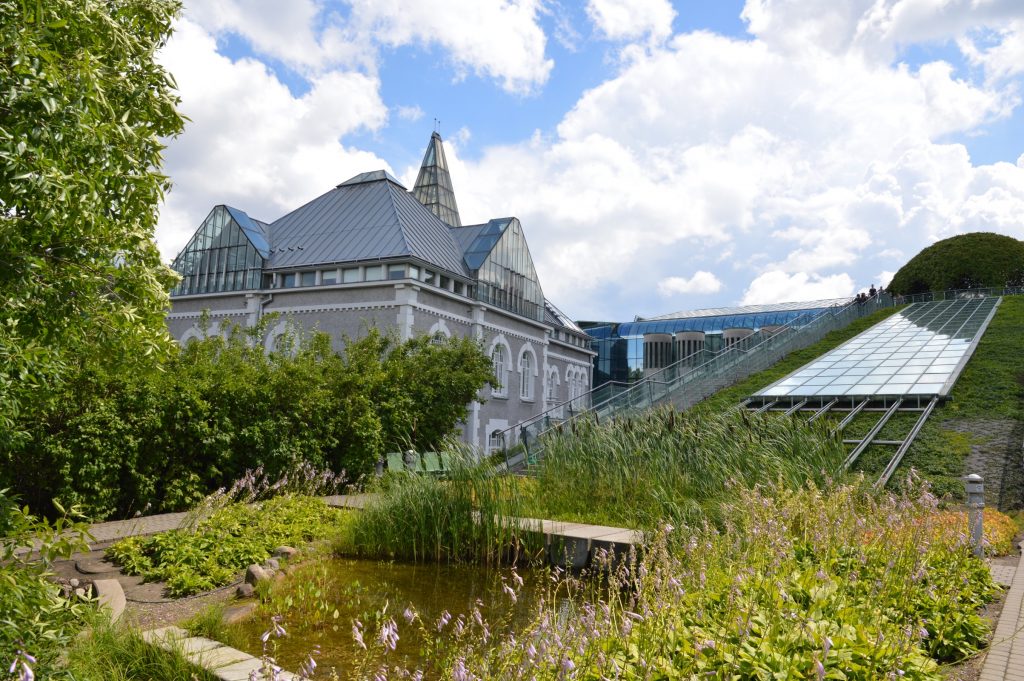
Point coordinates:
pixel 1005 658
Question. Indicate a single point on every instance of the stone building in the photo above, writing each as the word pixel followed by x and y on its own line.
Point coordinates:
pixel 370 253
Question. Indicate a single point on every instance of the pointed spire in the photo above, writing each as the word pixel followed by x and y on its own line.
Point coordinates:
pixel 433 186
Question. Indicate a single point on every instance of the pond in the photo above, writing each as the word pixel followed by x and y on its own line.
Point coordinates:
pixel 320 602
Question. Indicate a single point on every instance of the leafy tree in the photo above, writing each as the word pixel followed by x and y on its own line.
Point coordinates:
pixel 83 110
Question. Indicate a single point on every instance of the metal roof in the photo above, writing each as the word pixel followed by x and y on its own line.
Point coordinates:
pixel 370 217
pixel 433 186
pixel 749 309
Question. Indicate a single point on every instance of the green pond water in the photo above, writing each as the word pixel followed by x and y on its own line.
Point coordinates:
pixel 319 603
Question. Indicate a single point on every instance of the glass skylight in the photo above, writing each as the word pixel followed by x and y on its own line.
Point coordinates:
pixel 919 351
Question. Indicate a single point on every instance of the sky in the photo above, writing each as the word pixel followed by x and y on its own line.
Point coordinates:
pixel 660 155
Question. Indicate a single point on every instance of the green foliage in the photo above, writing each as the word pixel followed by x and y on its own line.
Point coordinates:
pixel 160 441
pixel 975 260
pixel 676 467
pixel 470 516
pixel 84 109
pixel 803 584
pixel 233 537
pixel 34 617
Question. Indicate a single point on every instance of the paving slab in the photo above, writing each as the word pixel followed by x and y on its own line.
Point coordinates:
pixel 224 656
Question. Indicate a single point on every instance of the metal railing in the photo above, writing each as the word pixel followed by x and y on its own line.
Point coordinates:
pixel 958 293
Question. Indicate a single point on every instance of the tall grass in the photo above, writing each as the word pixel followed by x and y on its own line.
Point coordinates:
pixel 116 652
pixel 676 467
pixel 472 515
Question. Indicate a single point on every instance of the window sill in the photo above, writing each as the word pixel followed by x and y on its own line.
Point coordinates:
pixel 499 397
pixel 529 400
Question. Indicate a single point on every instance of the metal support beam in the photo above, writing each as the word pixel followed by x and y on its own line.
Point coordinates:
pixel 905 446
pixel 849 417
pixel 764 407
pixel 795 408
pixel 871 434
pixel 823 410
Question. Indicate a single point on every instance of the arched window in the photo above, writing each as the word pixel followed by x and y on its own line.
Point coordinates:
pixel 438 338
pixel 525 376
pixel 496 441
pixel 499 361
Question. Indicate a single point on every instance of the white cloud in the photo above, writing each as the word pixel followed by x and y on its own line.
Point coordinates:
pixel 409 113
pixel 500 39
pixel 1004 58
pixel 700 282
pixel 253 144
pixel 631 19
pixel 496 38
pixel 777 287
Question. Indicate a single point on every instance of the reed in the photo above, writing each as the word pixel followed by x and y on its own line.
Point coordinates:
pixel 663 465
pixel 471 515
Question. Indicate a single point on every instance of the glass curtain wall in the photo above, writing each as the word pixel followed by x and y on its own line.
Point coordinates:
pixel 506 277
pixel 218 258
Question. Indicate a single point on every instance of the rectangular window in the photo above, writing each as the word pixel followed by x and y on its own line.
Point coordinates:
pixel 308 279
pixel 460 288
pixel 429 278
pixel 287 281
pixel 374 273
pixel 396 271
pixel 329 277
pixel 414 272
pixel 445 282
pixel 350 275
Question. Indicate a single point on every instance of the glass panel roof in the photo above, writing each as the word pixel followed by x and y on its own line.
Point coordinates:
pixel 918 351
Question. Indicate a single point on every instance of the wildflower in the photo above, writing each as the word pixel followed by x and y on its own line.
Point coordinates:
pixel 443 620
pixel 567 665
pixel 357 634
pixel 409 614
pixel 21 664
pixel 508 590
pixel 828 646
pixel 517 579
pixel 388 636
pixel 308 667
pixel 819 669
pixel 275 629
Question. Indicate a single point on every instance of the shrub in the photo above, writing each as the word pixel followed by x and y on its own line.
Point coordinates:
pixel 35 619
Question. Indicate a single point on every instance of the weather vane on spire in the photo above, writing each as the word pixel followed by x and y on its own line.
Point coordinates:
pixel 437 125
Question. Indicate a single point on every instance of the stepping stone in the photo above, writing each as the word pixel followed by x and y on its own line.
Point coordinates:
pixel 161 635
pixel 194 646
pixel 151 592
pixel 95 566
pixel 223 656
pixel 238 671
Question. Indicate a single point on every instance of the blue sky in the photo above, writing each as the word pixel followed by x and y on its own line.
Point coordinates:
pixel 662 156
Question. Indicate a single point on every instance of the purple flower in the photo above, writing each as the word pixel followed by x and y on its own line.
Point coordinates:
pixel 409 614
pixel 443 620
pixel 357 634
pixel 21 664
pixel 388 636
